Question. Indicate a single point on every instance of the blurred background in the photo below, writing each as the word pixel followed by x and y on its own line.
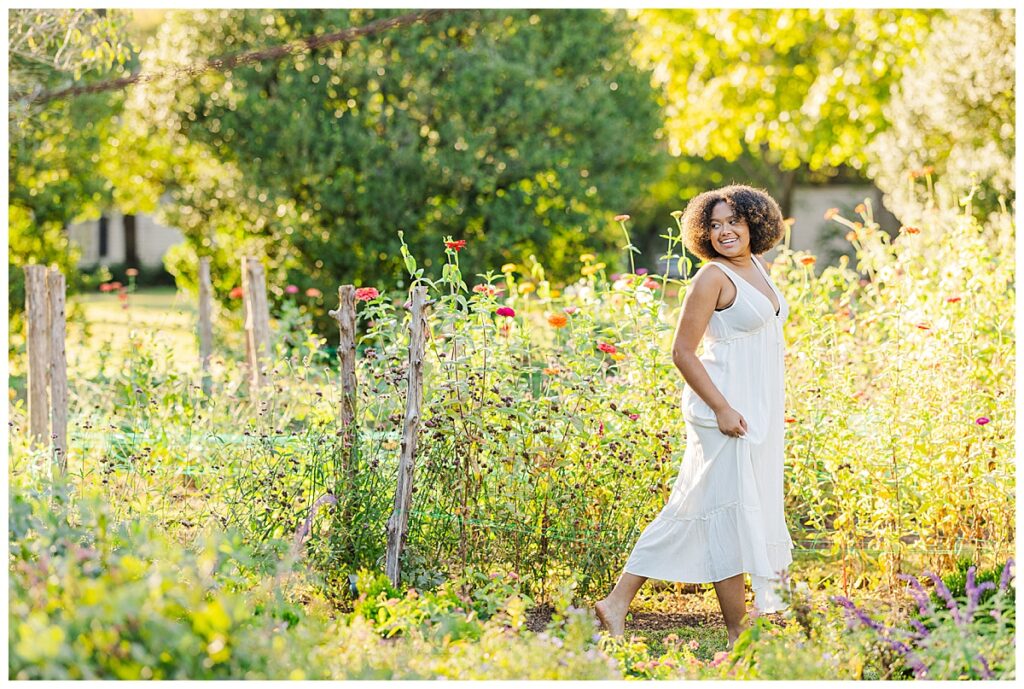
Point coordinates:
pixel 522 132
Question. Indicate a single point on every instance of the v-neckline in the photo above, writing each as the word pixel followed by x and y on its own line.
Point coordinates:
pixel 760 270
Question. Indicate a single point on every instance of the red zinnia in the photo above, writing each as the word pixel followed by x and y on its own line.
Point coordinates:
pixel 506 312
pixel 366 293
pixel 457 244
pixel 953 300
pixel 235 293
pixel 606 348
pixel 106 287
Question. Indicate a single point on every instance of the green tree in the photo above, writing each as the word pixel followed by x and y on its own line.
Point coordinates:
pixel 809 86
pixel 521 132
pixel 953 112
pixel 55 146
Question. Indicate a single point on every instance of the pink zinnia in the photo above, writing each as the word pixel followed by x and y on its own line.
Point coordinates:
pixel 291 289
pixel 982 420
pixel 570 310
pixel 606 348
pixel 621 218
pixel 651 283
pixel 366 293
pixel 506 312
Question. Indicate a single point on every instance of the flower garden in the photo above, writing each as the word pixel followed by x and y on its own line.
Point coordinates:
pixel 218 535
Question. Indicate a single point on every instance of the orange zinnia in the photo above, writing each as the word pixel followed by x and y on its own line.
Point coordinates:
pixel 558 320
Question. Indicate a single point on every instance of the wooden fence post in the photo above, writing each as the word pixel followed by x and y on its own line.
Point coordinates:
pixel 205 325
pixel 56 293
pixel 398 522
pixel 37 320
pixel 346 317
pixel 257 318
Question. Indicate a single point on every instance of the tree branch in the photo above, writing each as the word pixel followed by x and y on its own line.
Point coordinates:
pixel 231 61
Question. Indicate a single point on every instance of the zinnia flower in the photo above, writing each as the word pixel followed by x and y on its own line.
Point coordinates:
pixel 634 417
pixel 606 348
pixel 526 288
pixel 571 309
pixel 621 218
pixel 489 290
pixel 235 293
pixel 506 312
pixel 618 356
pixel 116 285
pixel 641 271
pixel 551 371
pixel 981 420
pixel 457 244
pixel 831 213
pixel 651 283
pixel 105 287
pixel 508 268
pixel 909 230
pixel 366 293
pixel 132 272
pixel 291 289
pixel 587 258
pixel 558 320
pixel 314 292
pixel 953 300
pixel 790 419
pixel 808 260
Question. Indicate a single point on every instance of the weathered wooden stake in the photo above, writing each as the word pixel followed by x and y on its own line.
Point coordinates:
pixel 257 318
pixel 205 325
pixel 398 523
pixel 56 292
pixel 37 321
pixel 346 317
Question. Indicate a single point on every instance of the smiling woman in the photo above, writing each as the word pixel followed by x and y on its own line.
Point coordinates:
pixel 725 515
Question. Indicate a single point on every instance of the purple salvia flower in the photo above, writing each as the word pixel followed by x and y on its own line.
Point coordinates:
pixel 943 591
pixel 987 672
pixel 922 630
pixel 972 603
pixel 1004 580
pixel 864 618
pixel 920 595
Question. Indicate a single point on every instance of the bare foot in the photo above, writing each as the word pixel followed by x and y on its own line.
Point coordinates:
pixel 612 619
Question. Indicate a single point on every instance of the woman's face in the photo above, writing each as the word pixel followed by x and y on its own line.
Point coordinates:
pixel 730 234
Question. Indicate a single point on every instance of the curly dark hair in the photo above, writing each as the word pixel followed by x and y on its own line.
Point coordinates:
pixel 762 213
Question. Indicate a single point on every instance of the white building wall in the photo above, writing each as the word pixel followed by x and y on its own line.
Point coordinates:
pixel 153 240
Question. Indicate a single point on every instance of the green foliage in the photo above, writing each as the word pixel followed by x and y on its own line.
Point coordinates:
pixel 808 84
pixel 55 147
pixel 515 130
pixel 952 114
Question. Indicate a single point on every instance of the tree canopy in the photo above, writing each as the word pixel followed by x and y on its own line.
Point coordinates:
pixel 518 131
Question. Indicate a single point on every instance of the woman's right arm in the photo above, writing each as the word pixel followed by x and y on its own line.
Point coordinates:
pixel 701 299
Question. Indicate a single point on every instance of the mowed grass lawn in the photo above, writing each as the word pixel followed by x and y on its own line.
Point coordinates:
pixel 99 322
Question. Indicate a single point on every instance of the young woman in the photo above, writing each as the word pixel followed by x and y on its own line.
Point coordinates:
pixel 725 515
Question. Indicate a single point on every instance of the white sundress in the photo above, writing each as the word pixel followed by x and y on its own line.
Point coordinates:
pixel 725 514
